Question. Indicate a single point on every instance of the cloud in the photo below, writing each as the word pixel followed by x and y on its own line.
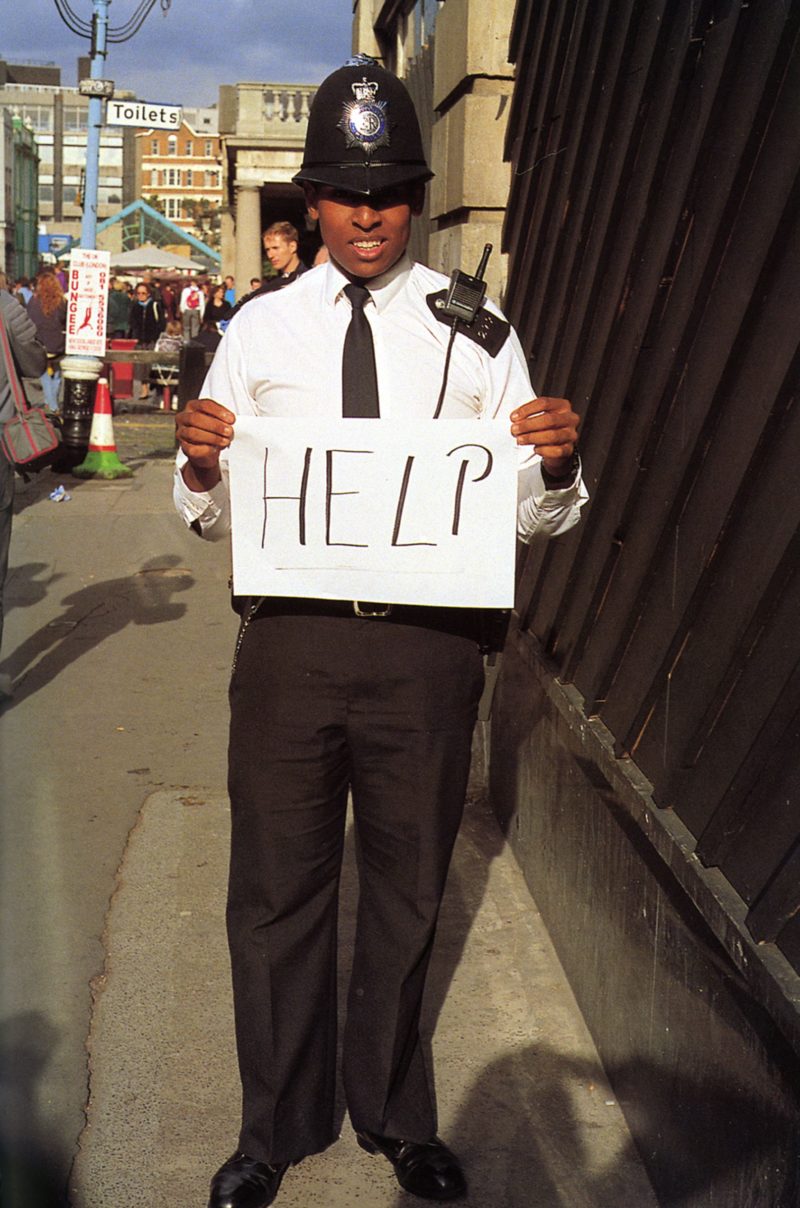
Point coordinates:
pixel 182 58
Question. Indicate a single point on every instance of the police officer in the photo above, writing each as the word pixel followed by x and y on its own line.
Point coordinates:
pixel 334 696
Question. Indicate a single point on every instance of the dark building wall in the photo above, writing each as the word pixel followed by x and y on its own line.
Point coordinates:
pixel 700 1054
pixel 654 250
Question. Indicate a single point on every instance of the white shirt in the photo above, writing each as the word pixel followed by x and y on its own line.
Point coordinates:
pixel 282 355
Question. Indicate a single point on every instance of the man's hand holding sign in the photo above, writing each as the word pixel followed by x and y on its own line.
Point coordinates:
pixel 551 426
pixel 204 429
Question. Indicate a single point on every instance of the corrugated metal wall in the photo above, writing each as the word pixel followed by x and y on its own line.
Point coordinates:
pixel 654 237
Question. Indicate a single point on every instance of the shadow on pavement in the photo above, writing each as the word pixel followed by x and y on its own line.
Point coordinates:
pixel 24 587
pixel 28 1163
pixel 522 1111
pixel 93 614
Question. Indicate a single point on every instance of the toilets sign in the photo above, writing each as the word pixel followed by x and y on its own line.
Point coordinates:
pixel 417 512
pixel 148 115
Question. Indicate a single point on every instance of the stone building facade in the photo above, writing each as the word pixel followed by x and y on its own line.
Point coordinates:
pixel 263 129
pixel 454 58
pixel 180 173
pixel 58 117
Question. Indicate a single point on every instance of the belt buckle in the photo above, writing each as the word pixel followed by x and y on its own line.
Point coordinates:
pixel 363 608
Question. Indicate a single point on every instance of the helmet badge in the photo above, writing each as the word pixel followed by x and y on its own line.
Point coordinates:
pixel 364 120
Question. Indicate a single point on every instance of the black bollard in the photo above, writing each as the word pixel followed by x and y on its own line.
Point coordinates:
pixel 80 376
pixel 191 374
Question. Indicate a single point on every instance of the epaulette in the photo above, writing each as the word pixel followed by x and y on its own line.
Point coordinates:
pixel 489 331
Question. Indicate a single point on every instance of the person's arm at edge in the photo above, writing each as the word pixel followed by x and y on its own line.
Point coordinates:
pixel 30 355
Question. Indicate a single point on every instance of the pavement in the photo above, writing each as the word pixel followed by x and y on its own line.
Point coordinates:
pixel 118 1074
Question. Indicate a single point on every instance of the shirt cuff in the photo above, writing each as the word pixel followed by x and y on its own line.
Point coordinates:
pixel 546 513
pixel 208 512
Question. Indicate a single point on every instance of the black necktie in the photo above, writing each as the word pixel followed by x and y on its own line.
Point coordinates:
pixel 359 378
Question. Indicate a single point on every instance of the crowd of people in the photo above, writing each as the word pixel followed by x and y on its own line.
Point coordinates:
pixel 161 313
pixel 158 313
pixel 44 299
pixel 164 313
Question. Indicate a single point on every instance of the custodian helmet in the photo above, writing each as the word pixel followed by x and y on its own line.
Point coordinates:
pixel 363 134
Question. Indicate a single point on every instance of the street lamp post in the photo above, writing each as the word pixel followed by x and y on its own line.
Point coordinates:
pixel 82 370
pixel 101 34
pixel 99 40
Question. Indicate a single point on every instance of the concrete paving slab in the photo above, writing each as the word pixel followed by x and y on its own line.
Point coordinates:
pixel 105 595
pixel 522 1096
pixel 113 856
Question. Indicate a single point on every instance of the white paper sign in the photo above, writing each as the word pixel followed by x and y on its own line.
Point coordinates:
pixel 417 512
pixel 87 301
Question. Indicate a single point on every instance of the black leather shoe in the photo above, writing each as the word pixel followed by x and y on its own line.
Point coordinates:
pixel 425 1168
pixel 242 1182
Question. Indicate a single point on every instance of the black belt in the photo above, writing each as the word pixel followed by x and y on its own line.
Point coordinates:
pixel 484 626
pixel 299 606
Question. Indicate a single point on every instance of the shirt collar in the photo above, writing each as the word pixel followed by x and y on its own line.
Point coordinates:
pixel 382 289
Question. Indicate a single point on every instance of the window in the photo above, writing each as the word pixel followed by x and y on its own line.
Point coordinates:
pixel 189 178
pixel 209 148
pixel 45 195
pixel 173 177
pixel 189 147
pixel 154 175
pixel 107 196
pixel 172 207
pixel 76 118
pixel 74 156
pixel 110 156
pixel 172 145
pixel 40 117
pixel 212 180
pixel 154 146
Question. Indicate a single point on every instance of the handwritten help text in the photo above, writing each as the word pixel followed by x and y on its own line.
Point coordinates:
pixel 418 512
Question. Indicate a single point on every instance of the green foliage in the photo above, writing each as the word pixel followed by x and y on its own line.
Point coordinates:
pixel 206 219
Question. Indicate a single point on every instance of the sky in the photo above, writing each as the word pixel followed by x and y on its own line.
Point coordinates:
pixel 182 56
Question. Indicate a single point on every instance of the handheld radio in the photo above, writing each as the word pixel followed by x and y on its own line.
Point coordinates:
pixel 465 294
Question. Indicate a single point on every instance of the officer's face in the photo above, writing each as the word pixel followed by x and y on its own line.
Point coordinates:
pixel 365 235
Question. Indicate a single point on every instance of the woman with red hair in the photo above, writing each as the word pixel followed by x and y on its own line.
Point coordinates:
pixel 48 310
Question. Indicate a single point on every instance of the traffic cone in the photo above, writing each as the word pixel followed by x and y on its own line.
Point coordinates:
pixel 101 460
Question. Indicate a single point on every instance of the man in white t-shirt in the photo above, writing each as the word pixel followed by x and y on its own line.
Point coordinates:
pixel 191 306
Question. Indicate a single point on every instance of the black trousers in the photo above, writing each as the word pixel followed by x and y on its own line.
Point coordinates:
pixel 320 705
